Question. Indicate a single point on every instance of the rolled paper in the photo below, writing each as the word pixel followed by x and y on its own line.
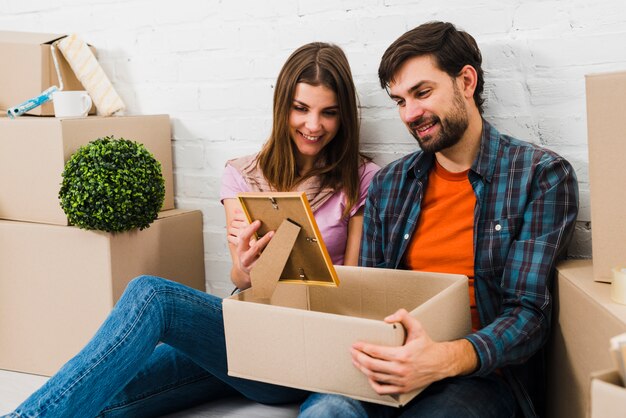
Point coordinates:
pixel 618 286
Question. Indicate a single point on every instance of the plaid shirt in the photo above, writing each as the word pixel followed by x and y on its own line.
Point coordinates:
pixel 526 208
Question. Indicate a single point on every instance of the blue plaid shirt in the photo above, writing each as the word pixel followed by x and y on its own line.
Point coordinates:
pixel 526 208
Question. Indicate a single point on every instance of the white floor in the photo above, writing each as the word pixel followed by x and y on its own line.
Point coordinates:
pixel 15 387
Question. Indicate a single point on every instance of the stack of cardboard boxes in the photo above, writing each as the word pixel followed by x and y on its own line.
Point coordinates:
pixel 606 100
pixel 58 282
pixel 585 317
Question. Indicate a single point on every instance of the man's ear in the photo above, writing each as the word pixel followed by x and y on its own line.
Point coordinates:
pixel 468 78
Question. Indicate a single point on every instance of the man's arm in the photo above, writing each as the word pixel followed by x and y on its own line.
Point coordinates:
pixel 372 249
pixel 522 326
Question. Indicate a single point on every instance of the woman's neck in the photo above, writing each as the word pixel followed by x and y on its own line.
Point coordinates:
pixel 304 165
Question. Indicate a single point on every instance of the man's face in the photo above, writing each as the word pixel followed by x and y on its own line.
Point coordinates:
pixel 431 104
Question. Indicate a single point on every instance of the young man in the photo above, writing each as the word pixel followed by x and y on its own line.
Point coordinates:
pixel 471 201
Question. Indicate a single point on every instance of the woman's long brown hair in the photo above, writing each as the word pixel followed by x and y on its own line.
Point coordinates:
pixel 317 64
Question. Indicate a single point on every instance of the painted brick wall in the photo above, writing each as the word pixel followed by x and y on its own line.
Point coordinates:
pixel 211 65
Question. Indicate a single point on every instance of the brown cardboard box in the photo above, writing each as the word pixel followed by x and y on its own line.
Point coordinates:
pixel 301 337
pixel 608 395
pixel 33 152
pixel 58 283
pixel 28 70
pixel 606 125
pixel 583 321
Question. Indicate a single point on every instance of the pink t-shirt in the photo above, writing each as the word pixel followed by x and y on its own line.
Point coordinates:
pixel 333 226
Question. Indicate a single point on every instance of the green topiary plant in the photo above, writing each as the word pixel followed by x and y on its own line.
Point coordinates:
pixel 112 185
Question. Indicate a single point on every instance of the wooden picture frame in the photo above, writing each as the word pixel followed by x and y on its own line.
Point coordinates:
pixel 309 261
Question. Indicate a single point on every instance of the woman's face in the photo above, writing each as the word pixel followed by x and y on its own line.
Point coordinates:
pixel 313 122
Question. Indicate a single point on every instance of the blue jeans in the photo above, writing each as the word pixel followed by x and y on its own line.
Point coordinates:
pixel 160 350
pixel 478 397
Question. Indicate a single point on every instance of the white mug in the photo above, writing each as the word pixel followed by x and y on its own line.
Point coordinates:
pixel 71 104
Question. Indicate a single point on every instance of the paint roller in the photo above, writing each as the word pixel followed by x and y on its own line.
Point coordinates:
pixel 89 72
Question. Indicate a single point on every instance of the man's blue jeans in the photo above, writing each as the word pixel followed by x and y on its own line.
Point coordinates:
pixel 119 373
pixel 477 397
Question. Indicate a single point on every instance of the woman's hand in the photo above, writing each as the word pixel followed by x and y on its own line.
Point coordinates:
pixel 235 226
pixel 249 249
pixel 244 248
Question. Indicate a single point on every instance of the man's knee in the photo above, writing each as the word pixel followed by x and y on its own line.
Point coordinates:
pixel 320 405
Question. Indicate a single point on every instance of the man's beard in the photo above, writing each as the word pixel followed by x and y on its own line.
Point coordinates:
pixel 451 128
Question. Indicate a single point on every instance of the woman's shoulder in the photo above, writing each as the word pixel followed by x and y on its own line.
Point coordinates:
pixel 243 162
pixel 367 169
pixel 234 176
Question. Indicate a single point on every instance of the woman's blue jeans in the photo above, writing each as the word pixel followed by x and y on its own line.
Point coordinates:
pixel 160 350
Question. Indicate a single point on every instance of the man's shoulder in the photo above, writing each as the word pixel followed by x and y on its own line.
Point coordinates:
pixel 524 146
pixel 398 168
pixel 532 153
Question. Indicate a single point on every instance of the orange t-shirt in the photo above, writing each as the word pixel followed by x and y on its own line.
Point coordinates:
pixel 444 238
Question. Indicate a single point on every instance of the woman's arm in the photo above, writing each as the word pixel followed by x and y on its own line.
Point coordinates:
pixel 235 222
pixel 353 244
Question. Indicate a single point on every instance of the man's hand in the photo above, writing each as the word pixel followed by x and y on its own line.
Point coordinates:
pixel 416 364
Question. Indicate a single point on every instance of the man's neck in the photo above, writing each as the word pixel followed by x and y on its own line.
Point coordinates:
pixel 461 156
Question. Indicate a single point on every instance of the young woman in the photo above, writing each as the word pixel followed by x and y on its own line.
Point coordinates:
pixel 314 148
pixel 162 347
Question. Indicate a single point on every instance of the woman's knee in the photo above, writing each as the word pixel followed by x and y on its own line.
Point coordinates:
pixel 145 283
pixel 143 288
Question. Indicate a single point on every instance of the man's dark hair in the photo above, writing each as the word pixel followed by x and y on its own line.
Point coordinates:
pixel 452 49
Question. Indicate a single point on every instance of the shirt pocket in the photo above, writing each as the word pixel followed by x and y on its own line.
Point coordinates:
pixel 494 240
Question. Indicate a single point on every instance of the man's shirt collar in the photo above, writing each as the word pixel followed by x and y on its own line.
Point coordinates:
pixel 484 164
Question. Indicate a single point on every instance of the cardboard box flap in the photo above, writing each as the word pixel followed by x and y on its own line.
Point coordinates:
pixel 368 293
pixel 608 395
pixel 29 38
pixel 610 376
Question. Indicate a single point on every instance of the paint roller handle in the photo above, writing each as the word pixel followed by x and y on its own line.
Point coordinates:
pixel 32 103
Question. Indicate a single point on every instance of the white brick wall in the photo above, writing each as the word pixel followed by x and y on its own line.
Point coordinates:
pixel 211 65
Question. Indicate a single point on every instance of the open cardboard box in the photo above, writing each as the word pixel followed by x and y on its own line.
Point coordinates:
pixel 300 335
pixel 28 70
pixel 608 395
pixel 33 153
pixel 606 126
pixel 59 283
